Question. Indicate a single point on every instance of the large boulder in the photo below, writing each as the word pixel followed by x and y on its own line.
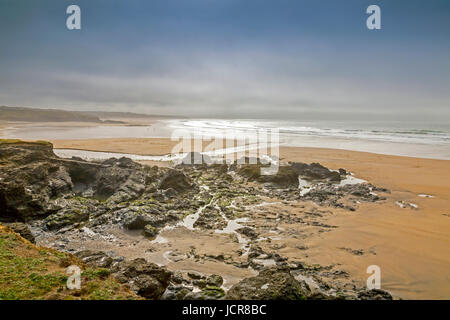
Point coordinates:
pixel 175 180
pixel 270 284
pixel 315 171
pixel 146 279
pixel 285 177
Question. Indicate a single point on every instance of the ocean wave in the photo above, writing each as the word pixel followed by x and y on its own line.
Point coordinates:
pixel 397 133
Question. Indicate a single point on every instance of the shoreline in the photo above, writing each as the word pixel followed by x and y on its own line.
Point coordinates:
pixel 163 146
pixel 138 132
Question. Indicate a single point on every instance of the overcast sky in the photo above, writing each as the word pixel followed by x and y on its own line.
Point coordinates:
pixel 228 58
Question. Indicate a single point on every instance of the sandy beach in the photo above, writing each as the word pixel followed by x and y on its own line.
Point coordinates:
pixel 411 245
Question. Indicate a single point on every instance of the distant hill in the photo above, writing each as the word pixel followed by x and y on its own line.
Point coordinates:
pixel 55 115
pixel 125 115
pixel 43 115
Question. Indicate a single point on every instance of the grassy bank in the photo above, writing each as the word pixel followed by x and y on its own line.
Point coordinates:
pixel 29 272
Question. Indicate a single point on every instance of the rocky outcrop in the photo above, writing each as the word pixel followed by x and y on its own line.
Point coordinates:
pixel 287 175
pixel 33 178
pixel 270 284
pixel 330 194
pixel 117 180
pixel 29 179
pixel 36 184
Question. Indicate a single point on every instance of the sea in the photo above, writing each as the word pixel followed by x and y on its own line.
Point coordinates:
pixel 403 138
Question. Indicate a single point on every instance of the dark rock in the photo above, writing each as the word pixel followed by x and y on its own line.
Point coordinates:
pixel 29 179
pixel 213 293
pixel 136 221
pixel 146 279
pixel 177 277
pixel 176 292
pixel 23 230
pixel 249 232
pixel 210 219
pixel 315 171
pixel 176 180
pixel 150 231
pixel 67 217
pixel 285 177
pixel 33 179
pixel 318 295
pixel 208 293
pixel 375 294
pixel 194 296
pixel 214 280
pixel 138 218
pixel 270 284
pixel 356 252
pixel 147 286
pixel 199 283
pixel 194 275
pixel 329 194
pixel 95 259
pixel 196 158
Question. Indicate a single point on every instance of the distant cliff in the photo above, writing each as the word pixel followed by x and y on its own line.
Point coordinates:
pixel 43 115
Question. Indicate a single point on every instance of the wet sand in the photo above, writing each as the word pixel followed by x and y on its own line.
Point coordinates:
pixel 411 246
pixel 141 146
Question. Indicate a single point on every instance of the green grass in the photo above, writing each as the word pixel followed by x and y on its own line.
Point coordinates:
pixel 213 292
pixel 28 272
pixel 17 141
pixel 24 277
